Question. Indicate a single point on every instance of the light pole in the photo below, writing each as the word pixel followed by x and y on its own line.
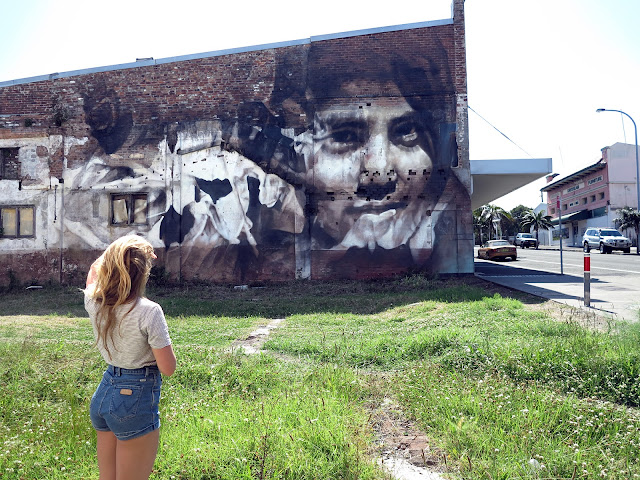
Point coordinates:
pixel 635 130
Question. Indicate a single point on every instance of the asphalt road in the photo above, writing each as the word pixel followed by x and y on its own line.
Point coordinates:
pixel 615 278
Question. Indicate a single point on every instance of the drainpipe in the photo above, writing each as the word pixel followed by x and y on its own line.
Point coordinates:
pixel 61 181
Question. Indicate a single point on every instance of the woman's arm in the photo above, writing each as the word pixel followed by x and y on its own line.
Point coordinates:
pixel 166 360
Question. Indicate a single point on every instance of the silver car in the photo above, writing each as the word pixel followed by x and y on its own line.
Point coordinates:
pixel 525 240
pixel 606 240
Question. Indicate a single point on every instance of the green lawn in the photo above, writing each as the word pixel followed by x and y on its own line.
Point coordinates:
pixel 502 388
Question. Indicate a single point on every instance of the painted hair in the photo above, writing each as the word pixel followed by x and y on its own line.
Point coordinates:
pixel 122 276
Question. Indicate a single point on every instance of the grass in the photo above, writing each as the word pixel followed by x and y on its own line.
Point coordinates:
pixel 504 389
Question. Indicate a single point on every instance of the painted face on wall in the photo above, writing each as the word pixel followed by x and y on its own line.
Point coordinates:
pixel 373 163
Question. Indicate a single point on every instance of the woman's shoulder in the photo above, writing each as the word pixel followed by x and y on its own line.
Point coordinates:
pixel 147 305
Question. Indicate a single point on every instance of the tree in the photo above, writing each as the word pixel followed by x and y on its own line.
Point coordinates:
pixel 630 218
pixel 518 213
pixel 537 221
pixel 496 215
pixel 480 225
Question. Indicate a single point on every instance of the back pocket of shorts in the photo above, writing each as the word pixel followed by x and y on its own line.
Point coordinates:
pixel 125 401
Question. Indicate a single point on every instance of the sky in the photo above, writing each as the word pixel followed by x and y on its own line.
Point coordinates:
pixel 536 70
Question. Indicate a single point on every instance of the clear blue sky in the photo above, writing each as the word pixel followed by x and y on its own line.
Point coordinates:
pixel 537 70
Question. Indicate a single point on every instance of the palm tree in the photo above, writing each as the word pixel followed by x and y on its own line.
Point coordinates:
pixel 480 224
pixel 630 218
pixel 495 215
pixel 537 221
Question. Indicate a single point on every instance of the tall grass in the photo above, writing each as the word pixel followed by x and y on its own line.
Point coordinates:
pixel 506 391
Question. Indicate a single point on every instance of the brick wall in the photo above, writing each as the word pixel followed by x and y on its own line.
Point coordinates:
pixel 150 125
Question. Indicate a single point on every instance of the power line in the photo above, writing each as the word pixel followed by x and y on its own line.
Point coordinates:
pixel 497 130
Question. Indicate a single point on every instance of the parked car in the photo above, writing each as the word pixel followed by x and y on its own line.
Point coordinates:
pixel 606 240
pixel 525 240
pixel 495 249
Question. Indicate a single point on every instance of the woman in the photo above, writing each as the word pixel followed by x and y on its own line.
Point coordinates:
pixel 132 336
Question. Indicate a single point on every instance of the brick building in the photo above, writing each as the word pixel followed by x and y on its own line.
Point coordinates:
pixel 339 156
pixel 592 196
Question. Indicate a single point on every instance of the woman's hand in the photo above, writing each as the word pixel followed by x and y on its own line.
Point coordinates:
pixel 92 277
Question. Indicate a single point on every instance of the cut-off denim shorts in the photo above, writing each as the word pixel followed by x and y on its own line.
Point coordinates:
pixel 126 402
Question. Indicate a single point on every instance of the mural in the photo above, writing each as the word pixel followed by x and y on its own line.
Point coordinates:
pixel 347 168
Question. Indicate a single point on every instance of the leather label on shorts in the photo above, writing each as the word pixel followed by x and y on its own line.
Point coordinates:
pixel 126 391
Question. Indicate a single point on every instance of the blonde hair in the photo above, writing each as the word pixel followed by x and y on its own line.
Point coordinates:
pixel 121 278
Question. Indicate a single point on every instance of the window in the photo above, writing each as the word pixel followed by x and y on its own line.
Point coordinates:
pixel 17 221
pixel 593 198
pixel 564 206
pixel 584 201
pixel 9 165
pixel 601 195
pixel 553 211
pixel 129 209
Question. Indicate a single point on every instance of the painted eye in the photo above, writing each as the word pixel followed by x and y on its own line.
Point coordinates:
pixel 345 135
pixel 344 138
pixel 405 133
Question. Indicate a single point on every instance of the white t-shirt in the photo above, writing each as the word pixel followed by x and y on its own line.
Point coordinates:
pixel 135 334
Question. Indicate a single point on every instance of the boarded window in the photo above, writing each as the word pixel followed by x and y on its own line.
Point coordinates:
pixel 129 209
pixel 9 164
pixel 17 221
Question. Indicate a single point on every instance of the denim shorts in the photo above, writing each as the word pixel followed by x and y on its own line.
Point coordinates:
pixel 126 402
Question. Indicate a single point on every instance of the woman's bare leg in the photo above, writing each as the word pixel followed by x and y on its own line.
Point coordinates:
pixel 135 458
pixel 106 448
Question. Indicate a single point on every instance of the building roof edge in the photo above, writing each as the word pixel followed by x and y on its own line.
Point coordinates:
pixel 218 53
pixel 599 165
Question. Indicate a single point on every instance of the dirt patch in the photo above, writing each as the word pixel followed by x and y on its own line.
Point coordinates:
pixel 254 341
pixel 399 437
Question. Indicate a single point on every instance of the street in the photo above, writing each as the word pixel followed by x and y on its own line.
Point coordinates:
pixel 615 278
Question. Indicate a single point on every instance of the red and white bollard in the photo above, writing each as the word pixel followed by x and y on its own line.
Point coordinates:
pixel 587 279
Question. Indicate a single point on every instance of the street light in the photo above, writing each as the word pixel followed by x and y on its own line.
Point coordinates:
pixel 635 129
pixel 637 164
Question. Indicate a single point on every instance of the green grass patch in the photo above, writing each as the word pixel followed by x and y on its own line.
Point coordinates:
pixel 506 391
pixel 493 427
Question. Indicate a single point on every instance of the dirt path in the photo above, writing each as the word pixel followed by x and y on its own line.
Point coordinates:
pixel 405 451
pixel 255 340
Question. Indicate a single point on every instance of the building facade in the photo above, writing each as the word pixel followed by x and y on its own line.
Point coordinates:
pixel 343 156
pixel 592 196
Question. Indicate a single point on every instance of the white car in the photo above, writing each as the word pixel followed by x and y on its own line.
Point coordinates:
pixel 606 240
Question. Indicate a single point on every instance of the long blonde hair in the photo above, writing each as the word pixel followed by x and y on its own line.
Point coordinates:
pixel 122 276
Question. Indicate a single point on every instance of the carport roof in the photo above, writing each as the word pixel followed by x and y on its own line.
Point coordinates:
pixel 491 179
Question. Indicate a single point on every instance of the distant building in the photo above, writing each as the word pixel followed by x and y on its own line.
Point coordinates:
pixel 592 196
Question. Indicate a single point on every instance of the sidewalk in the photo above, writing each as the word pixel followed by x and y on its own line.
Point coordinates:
pixel 620 301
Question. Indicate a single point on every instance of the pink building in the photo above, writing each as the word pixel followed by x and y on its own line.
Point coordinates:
pixel 592 196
